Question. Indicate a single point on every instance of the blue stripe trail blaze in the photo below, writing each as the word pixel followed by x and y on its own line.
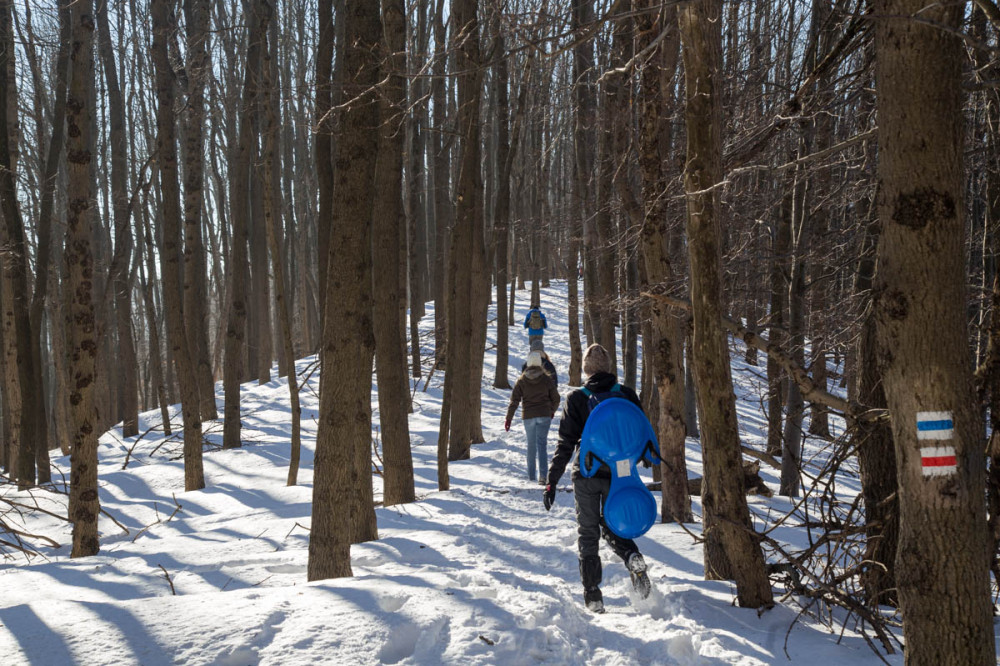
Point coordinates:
pixel 934 425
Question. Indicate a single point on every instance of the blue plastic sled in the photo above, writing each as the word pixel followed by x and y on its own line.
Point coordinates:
pixel 618 434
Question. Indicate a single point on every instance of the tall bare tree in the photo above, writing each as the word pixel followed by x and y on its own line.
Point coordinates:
pixel 390 355
pixel 660 239
pixel 171 251
pixel 198 69
pixel 121 263
pixel 272 222
pixel 241 176
pixel 942 561
pixel 465 250
pixel 80 315
pixel 731 548
pixel 343 510
pixel 19 369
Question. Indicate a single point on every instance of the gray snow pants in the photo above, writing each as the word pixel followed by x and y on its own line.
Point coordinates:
pixel 590 495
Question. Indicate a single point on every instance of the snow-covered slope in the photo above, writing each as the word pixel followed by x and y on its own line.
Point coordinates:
pixel 480 574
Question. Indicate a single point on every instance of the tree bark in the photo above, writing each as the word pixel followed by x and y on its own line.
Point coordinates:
pixel 731 549
pixel 441 163
pixel 44 261
pixel 501 211
pixel 199 66
pixel 942 563
pixel 465 249
pixel 241 177
pixel 121 263
pixel 15 275
pixel 666 341
pixel 272 220
pixel 343 510
pixel 781 239
pixel 145 235
pixel 80 316
pixel 390 355
pixel 323 146
pixel 171 252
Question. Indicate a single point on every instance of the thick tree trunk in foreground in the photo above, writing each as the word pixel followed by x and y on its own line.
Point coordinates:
pixel 731 550
pixel 942 570
pixel 343 510
pixel 80 316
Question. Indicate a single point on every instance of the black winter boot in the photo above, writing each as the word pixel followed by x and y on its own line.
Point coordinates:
pixel 590 574
pixel 594 600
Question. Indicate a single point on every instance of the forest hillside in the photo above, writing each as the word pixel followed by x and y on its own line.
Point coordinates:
pixel 479 574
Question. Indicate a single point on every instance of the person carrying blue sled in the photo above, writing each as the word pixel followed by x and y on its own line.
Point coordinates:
pixel 611 500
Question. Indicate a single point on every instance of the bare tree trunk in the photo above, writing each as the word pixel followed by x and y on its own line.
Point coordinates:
pixel 666 341
pixel 80 319
pixel 501 211
pixel 323 148
pixel 145 235
pixel 199 66
pixel 584 142
pixel 121 263
pixel 731 549
pixel 781 235
pixel 43 261
pixel 442 189
pixel 942 563
pixel 419 211
pixel 260 344
pixel 387 216
pixel 873 441
pixel 272 220
pixel 17 323
pixel 171 253
pixel 241 176
pixel 343 510
pixel 791 443
pixel 465 249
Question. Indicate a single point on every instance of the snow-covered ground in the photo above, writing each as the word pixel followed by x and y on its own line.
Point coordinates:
pixel 480 574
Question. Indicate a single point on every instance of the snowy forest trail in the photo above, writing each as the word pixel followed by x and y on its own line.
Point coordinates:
pixel 480 574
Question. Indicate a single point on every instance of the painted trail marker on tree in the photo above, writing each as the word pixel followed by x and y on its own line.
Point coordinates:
pixel 936 460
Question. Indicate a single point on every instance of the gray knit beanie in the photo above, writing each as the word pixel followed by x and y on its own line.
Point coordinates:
pixel 596 359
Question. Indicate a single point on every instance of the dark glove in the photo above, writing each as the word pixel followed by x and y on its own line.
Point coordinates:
pixel 506 425
pixel 549 497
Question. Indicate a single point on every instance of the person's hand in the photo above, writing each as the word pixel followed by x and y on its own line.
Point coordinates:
pixel 506 425
pixel 549 497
